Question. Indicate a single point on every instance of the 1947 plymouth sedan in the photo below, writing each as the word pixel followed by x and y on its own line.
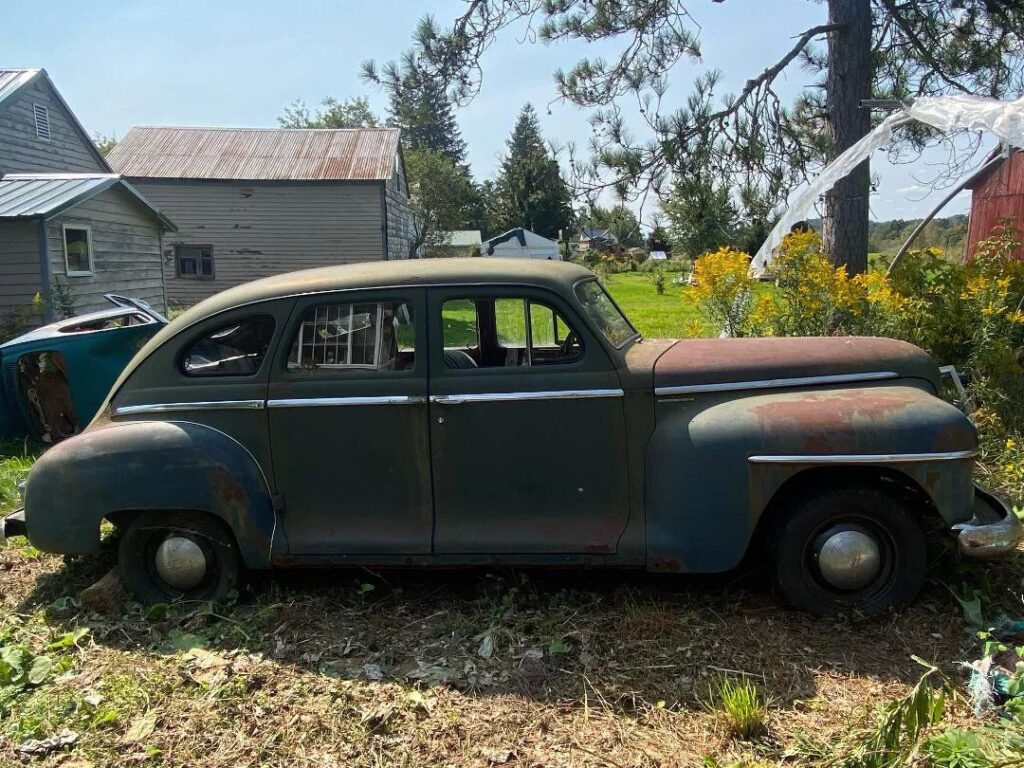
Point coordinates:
pixel 482 411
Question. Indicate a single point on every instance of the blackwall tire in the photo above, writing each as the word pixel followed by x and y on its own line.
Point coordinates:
pixel 889 555
pixel 143 559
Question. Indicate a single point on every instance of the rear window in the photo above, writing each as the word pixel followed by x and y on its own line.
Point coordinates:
pixel 603 312
pixel 234 349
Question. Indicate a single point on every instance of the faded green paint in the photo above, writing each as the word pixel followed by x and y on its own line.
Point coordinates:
pixel 629 478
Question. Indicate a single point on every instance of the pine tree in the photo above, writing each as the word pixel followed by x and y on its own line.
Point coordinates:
pixel 884 48
pixel 530 191
pixel 420 107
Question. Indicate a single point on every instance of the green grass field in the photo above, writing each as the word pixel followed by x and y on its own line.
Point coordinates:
pixel 664 316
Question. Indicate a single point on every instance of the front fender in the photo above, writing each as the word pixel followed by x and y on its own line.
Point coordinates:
pixel 713 467
pixel 146 465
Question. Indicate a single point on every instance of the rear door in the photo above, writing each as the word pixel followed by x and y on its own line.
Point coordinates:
pixel 347 410
pixel 527 427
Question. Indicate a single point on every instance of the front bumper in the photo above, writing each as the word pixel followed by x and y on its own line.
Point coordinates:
pixel 13 525
pixel 994 530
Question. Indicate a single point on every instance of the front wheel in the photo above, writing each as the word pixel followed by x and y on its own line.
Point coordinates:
pixel 167 556
pixel 848 549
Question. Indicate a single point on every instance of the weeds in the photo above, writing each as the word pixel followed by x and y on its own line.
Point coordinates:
pixel 740 705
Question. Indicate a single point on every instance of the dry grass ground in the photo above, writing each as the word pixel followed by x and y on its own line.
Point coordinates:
pixel 457 668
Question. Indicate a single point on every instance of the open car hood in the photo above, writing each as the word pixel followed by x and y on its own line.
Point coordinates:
pixel 696 362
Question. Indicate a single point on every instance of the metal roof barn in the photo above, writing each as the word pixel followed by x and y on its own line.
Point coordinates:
pixel 253 154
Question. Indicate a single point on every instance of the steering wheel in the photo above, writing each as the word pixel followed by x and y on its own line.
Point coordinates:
pixel 566 346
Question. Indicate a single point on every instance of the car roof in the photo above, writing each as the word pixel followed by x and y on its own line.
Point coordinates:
pixel 556 275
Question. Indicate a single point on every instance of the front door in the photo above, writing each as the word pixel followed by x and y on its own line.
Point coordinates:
pixel 348 425
pixel 527 427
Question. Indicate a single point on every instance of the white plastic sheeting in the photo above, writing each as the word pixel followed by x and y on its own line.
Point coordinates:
pixel 1003 118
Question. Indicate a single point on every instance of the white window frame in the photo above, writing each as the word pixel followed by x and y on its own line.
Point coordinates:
pixel 88 244
pixel 35 122
pixel 347 345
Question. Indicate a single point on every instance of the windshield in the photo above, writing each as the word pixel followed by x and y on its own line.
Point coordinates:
pixel 602 310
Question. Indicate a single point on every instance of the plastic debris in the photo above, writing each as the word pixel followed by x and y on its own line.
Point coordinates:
pixel 992 676
pixel 956 112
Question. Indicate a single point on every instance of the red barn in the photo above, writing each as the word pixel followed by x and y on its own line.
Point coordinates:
pixel 996 194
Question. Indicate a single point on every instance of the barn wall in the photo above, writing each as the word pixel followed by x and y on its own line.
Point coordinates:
pixel 401 234
pixel 999 196
pixel 19 267
pixel 126 252
pixel 22 151
pixel 265 229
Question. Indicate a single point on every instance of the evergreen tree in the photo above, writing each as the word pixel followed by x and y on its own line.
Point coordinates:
pixel 530 191
pixel 884 48
pixel 419 105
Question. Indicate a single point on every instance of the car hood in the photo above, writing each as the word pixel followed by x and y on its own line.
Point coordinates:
pixel 695 362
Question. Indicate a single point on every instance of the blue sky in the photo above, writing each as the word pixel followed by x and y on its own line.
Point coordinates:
pixel 232 63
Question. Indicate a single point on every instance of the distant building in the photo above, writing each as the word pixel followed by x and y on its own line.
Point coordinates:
pixel 255 202
pixel 460 242
pixel 997 193
pixel 521 243
pixel 64 217
pixel 597 239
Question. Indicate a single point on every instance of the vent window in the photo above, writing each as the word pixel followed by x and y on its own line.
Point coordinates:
pixel 42 119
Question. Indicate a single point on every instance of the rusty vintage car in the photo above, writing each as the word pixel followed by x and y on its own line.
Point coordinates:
pixel 459 412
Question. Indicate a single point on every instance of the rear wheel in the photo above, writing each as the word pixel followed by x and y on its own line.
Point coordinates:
pixel 167 556
pixel 848 549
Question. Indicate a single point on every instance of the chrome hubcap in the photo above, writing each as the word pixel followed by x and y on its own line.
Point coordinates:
pixel 180 562
pixel 849 559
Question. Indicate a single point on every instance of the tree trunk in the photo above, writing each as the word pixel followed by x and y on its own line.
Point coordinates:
pixel 849 81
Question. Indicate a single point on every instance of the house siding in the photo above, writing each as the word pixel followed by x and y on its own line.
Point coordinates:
pixel 401 230
pixel 19 267
pixel 126 252
pixel 268 228
pixel 22 151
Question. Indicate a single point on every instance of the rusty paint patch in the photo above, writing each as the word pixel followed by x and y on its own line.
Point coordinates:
pixel 229 496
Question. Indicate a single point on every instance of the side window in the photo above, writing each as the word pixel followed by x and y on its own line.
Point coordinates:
pixel 235 349
pixel 372 336
pixel 506 333
pixel 194 262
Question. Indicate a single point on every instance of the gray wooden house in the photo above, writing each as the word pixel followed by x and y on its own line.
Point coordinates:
pixel 66 221
pixel 255 202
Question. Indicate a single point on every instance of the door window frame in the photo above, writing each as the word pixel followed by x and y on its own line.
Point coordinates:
pixel 593 356
pixel 414 297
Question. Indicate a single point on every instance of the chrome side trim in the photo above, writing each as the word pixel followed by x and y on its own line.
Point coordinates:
pixel 864 458
pixel 202 405
pixel 505 397
pixel 319 402
pixel 798 381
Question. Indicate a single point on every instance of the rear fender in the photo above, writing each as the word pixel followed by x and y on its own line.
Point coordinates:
pixel 147 465
pixel 714 467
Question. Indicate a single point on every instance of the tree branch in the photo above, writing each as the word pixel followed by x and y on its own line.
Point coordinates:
pixel 920 47
pixel 773 71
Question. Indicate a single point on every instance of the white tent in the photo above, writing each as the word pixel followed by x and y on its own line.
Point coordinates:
pixel 521 243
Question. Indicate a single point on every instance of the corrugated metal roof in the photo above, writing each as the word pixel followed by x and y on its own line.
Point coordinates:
pixel 45 195
pixel 256 153
pixel 12 79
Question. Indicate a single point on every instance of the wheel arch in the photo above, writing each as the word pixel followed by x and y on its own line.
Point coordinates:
pixel 899 485
pixel 121 470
